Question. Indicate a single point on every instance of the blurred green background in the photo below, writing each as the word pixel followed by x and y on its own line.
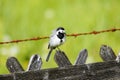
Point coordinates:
pixel 21 19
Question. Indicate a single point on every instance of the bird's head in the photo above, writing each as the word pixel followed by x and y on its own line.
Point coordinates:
pixel 60 30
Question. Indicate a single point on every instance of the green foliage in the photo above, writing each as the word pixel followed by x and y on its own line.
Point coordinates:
pixel 21 19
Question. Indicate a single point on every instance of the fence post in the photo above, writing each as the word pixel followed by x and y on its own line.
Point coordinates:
pixel 106 53
pixel 108 70
pixel 35 62
pixel 82 57
pixel 61 59
pixel 13 65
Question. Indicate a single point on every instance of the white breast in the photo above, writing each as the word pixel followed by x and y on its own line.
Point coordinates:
pixel 55 41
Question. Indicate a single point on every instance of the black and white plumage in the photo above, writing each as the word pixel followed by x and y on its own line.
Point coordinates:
pixel 56 39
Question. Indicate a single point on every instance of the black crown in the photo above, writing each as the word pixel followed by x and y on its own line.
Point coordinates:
pixel 60 28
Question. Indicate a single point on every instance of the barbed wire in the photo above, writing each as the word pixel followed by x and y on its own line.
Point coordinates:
pixel 95 32
pixel 69 35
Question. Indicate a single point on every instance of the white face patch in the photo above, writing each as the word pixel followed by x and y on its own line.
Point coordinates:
pixel 61 31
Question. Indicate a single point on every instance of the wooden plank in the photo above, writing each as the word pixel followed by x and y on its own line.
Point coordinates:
pixel 61 59
pixel 95 71
pixel 82 57
pixel 13 65
pixel 7 77
pixel 106 53
pixel 35 62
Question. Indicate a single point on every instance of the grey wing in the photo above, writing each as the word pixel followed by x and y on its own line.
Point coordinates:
pixel 52 35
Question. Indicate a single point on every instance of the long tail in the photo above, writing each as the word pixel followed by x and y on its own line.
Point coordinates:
pixel 49 55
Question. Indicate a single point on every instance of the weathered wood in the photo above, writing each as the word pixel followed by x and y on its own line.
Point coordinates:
pixel 109 70
pixel 118 58
pixel 61 59
pixel 7 77
pixel 96 71
pixel 35 63
pixel 106 53
pixel 82 57
pixel 13 65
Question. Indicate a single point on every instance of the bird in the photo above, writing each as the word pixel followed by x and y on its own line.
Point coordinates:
pixel 57 38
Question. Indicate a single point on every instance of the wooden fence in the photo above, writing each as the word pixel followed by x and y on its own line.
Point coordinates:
pixel 107 70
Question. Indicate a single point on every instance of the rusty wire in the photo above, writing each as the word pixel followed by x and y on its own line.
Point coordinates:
pixel 69 35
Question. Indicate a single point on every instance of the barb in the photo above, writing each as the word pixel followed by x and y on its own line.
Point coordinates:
pixel 69 35
pixel 95 32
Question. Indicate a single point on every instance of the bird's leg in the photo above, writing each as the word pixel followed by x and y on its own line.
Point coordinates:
pixel 58 49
